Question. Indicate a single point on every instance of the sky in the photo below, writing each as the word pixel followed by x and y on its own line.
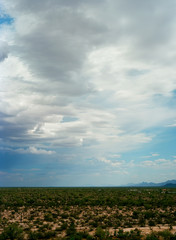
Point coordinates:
pixel 87 92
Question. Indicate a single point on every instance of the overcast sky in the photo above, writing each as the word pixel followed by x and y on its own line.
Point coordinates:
pixel 87 92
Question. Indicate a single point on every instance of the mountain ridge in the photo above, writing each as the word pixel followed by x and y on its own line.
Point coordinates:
pixel 152 184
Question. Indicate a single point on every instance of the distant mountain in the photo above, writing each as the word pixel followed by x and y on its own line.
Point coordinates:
pixel 170 185
pixel 152 184
pixel 169 182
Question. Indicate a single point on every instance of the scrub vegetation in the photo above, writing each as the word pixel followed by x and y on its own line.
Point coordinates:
pixel 88 213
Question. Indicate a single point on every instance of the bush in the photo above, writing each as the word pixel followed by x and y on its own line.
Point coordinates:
pixel 80 236
pixel 167 235
pixel 12 232
pixel 101 234
pixel 41 235
pixel 48 217
pixel 123 235
pixel 152 236
pixel 135 235
pixel 151 223
pixel 71 230
pixel 33 236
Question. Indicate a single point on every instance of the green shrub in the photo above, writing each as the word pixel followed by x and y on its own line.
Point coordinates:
pixel 48 217
pixel 135 235
pixel 151 223
pixel 12 232
pixel 41 235
pixel 101 234
pixel 33 236
pixel 80 236
pixel 71 229
pixel 167 235
pixel 122 235
pixel 152 236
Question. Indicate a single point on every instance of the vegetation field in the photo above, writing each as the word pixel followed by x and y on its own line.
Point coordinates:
pixel 87 213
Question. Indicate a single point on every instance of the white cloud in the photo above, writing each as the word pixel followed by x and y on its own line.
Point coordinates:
pixel 159 163
pixel 30 150
pixel 148 163
pixel 172 125
pixel 110 162
pixel 161 160
pixel 155 154
pixel 34 150
pixel 151 156
pixel 93 63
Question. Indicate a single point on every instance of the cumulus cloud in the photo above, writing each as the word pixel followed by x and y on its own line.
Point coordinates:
pixel 34 150
pixel 110 162
pixel 29 150
pixel 87 74
pixel 159 163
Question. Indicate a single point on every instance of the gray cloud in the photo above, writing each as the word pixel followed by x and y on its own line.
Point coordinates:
pixel 55 46
pixel 3 50
pixel 102 63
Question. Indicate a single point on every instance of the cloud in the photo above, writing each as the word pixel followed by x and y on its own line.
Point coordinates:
pixel 155 154
pixel 116 156
pixel 150 156
pixel 26 170
pixel 2 173
pixel 34 150
pixel 87 76
pixel 29 150
pixel 3 50
pixel 172 125
pixel 159 163
pixel 110 162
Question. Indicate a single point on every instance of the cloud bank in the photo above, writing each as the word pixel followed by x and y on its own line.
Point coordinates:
pixel 91 76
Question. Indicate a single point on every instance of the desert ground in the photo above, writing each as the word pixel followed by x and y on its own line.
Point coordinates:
pixel 87 213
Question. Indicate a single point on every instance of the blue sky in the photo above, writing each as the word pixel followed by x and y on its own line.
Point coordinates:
pixel 6 20
pixel 88 92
